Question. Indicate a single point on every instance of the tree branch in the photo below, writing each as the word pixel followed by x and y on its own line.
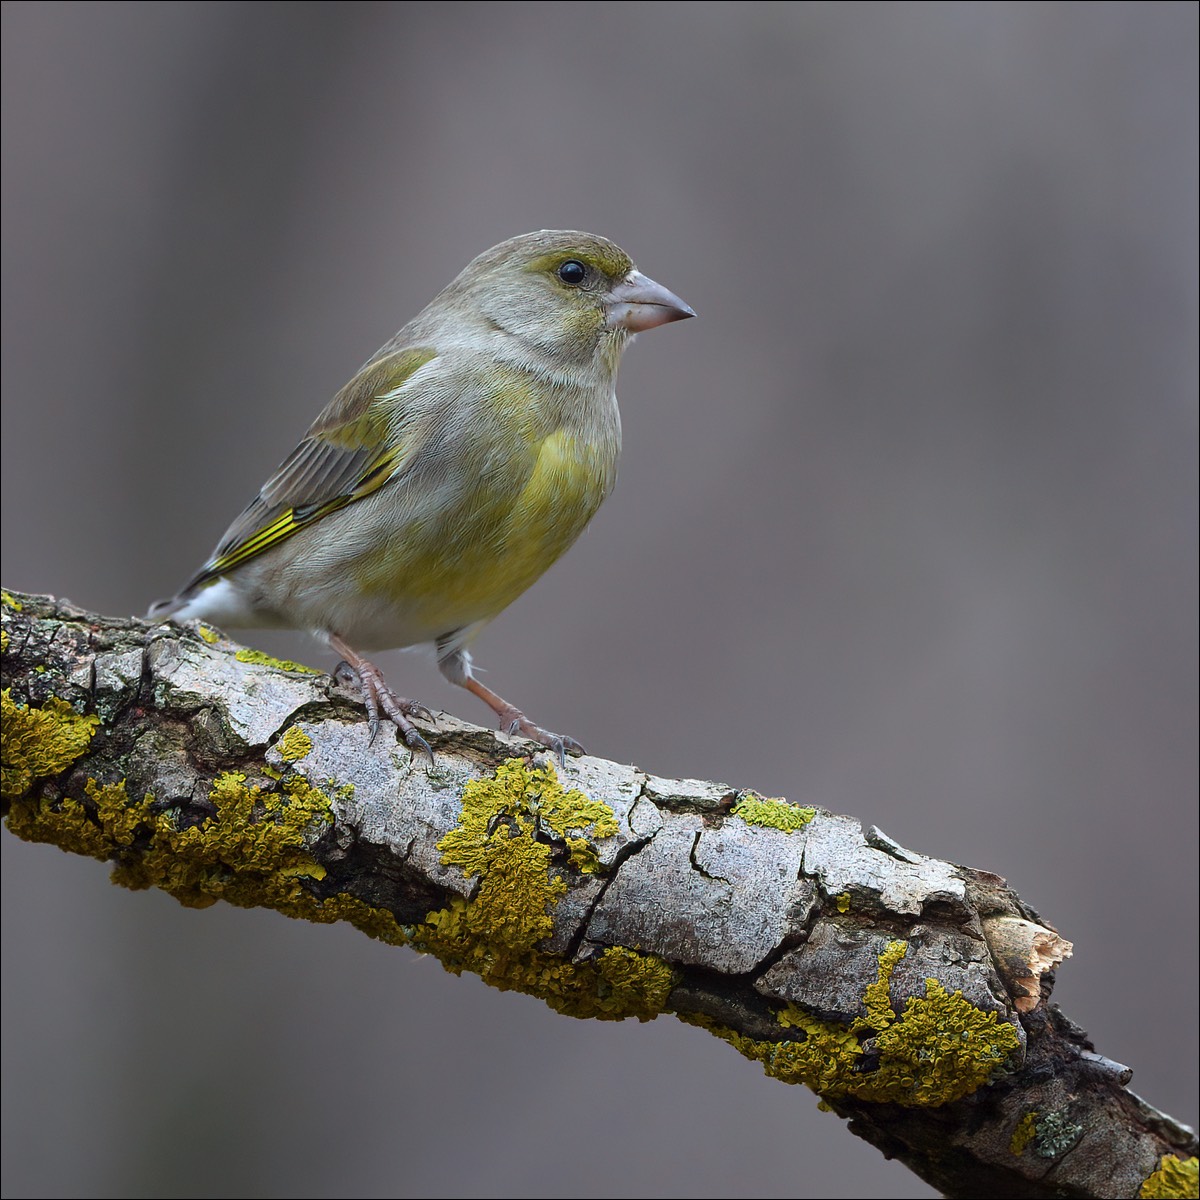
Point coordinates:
pixel 911 994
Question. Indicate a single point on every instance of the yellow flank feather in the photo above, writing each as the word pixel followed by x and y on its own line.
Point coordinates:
pixel 475 566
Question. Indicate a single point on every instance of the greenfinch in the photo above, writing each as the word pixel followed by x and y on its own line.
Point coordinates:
pixel 460 461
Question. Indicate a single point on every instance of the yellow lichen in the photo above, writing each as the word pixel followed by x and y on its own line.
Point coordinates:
pixel 627 984
pixel 507 837
pixel 38 742
pixel 826 1058
pixel 939 1049
pixel 774 813
pixel 253 851
pixel 259 658
pixel 10 601
pixel 1174 1177
pixel 583 855
pixel 526 801
pixel 843 902
pixel 378 923
pixel 294 745
pixel 1024 1133
pixel 65 823
pixel 877 999
pixel 209 634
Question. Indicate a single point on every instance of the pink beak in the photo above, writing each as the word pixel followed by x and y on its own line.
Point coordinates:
pixel 638 303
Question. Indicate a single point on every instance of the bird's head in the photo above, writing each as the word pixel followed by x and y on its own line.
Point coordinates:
pixel 569 294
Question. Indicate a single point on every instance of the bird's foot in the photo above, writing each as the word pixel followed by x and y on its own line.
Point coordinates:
pixel 512 719
pixel 381 700
pixel 516 722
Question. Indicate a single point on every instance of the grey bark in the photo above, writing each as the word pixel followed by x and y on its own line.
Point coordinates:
pixel 778 939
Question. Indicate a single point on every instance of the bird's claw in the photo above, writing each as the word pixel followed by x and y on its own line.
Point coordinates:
pixel 379 699
pixel 418 745
pixel 559 744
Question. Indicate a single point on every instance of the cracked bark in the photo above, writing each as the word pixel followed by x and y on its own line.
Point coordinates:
pixel 774 937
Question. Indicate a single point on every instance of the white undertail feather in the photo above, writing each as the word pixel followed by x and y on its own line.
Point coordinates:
pixel 219 604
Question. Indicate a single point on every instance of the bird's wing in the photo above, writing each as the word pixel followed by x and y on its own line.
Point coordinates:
pixel 347 454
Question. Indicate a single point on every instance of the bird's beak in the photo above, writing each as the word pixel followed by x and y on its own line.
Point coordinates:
pixel 638 303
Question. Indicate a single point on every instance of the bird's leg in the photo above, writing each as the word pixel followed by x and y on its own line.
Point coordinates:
pixel 456 667
pixel 378 697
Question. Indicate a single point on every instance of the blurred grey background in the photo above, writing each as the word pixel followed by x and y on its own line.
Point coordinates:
pixel 906 524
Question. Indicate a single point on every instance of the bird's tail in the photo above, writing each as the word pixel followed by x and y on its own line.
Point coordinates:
pixel 216 602
pixel 163 610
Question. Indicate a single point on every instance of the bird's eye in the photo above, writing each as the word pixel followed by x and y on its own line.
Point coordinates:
pixel 572 272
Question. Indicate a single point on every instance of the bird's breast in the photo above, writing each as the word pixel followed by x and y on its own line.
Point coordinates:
pixel 484 551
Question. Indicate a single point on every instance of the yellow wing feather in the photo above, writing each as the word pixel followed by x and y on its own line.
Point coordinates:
pixel 345 456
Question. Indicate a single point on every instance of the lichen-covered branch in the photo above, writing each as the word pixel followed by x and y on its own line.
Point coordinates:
pixel 910 994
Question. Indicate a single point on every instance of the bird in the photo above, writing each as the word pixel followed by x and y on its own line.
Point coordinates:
pixel 461 461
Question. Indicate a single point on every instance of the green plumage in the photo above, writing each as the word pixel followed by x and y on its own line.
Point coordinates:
pixel 455 467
